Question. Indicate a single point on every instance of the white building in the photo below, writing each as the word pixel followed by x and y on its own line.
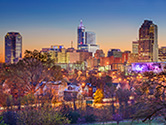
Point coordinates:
pixel 92 48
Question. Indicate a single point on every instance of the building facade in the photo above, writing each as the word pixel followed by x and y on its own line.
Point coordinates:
pixel 92 48
pixel 162 54
pixel 148 42
pixel 62 56
pixel 135 47
pixel 13 47
pixel 99 53
pixel 72 57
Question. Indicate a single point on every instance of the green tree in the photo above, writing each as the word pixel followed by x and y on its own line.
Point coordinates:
pixel 1 121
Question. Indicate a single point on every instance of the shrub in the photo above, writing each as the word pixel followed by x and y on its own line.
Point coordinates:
pixel 90 118
pixel 10 117
pixel 44 116
pixel 73 116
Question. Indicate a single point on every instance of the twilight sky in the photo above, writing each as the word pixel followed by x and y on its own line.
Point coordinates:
pixel 43 23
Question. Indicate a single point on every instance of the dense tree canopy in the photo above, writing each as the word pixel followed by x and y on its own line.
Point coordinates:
pixel 28 74
pixel 151 101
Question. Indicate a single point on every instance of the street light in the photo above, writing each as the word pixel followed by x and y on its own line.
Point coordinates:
pixel 99 74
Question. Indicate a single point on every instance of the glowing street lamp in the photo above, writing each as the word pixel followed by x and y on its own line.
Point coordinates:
pixel 99 74
pixel 120 79
pixel 83 84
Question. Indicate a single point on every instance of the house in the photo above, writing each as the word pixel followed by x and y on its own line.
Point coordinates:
pixel 71 92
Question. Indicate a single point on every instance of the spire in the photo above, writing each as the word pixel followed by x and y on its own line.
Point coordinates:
pixel 81 26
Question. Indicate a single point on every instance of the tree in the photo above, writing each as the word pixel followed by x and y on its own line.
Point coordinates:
pixel 1 121
pixel 28 73
pixel 117 117
pixel 43 116
pixel 27 76
pixel 98 96
pixel 123 97
pixel 151 98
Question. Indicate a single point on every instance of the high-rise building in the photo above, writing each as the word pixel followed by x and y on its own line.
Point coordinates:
pixel 148 42
pixel 90 38
pixel 13 47
pixel 81 35
pixel 135 47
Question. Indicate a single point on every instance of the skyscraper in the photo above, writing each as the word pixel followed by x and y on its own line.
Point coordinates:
pixel 148 42
pixel 13 47
pixel 81 36
pixel 90 38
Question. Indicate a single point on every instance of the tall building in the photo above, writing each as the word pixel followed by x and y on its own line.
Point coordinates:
pixel 13 47
pixel 90 38
pixel 135 47
pixel 148 42
pixel 81 35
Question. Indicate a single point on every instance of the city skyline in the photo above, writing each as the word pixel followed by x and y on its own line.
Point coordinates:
pixel 115 23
